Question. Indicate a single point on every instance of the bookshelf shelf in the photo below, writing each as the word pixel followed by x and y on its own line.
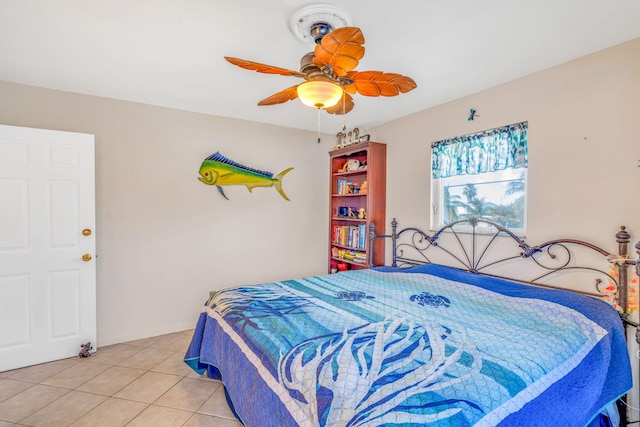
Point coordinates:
pixel 358 172
pixel 338 245
pixel 346 218
pixel 357 264
pixel 363 187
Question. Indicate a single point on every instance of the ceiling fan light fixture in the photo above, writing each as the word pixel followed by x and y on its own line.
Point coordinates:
pixel 319 93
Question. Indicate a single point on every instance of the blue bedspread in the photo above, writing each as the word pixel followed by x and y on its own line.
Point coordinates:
pixel 429 345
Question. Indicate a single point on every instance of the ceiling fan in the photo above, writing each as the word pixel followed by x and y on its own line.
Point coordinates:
pixel 329 72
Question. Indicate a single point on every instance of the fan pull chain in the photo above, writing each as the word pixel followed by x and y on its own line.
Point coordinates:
pixel 344 115
pixel 318 125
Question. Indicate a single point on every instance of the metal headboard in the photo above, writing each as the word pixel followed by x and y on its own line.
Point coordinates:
pixel 469 244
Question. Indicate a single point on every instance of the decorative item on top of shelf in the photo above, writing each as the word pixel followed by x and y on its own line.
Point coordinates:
pixel 362 213
pixel 364 138
pixel 218 170
pixel 345 139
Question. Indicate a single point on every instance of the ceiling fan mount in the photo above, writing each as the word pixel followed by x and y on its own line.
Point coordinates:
pixel 312 21
pixel 318 30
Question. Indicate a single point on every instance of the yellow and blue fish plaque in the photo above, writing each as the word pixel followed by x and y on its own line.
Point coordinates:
pixel 218 170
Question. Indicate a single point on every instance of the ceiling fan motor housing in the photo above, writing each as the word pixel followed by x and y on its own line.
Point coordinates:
pixel 308 67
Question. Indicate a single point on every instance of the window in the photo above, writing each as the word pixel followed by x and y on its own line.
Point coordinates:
pixel 482 175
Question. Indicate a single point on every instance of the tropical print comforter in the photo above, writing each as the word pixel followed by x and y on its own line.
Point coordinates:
pixel 426 346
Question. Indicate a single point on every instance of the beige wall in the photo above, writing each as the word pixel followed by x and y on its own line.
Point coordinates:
pixel 164 240
pixel 584 146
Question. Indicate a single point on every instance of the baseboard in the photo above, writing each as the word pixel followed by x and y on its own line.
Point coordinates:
pixel 137 335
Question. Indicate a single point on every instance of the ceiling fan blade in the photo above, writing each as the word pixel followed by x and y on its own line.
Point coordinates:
pixel 342 49
pixel 281 97
pixel 343 107
pixel 378 83
pixel 263 68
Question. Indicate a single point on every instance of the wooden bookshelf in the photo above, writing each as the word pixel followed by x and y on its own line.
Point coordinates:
pixel 349 234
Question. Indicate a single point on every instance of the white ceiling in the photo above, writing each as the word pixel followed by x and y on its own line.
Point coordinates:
pixel 170 52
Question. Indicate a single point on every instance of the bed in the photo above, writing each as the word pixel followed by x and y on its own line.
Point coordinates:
pixel 424 342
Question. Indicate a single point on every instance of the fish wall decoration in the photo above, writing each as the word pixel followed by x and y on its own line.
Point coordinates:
pixel 219 171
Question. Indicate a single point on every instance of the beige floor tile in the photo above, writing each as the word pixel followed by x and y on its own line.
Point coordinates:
pixel 189 394
pixel 175 342
pixel 159 416
pixel 75 375
pixel 65 410
pixel 114 354
pixel 29 401
pixel 112 380
pixel 111 413
pixel 217 405
pixel 9 388
pixel 39 373
pixel 194 374
pixel 201 420
pixel 148 387
pixel 147 358
pixel 174 365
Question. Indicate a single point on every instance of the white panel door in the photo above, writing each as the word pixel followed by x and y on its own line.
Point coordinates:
pixel 47 225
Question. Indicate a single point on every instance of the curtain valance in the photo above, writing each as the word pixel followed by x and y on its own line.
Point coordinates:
pixel 488 151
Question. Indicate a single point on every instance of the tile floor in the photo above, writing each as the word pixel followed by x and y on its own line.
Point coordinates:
pixel 138 383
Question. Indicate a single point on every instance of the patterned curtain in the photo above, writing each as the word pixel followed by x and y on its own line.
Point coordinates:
pixel 488 151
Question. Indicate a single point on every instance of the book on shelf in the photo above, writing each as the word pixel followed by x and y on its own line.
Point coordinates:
pixel 352 255
pixel 351 236
pixel 345 186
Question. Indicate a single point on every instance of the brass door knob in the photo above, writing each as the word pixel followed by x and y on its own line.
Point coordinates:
pixel 86 257
pixel 86 232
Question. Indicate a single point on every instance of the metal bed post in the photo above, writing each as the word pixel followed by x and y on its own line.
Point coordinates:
pixel 373 237
pixel 623 238
pixel 637 325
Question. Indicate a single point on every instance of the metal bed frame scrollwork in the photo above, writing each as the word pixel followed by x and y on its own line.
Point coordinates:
pixel 471 244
